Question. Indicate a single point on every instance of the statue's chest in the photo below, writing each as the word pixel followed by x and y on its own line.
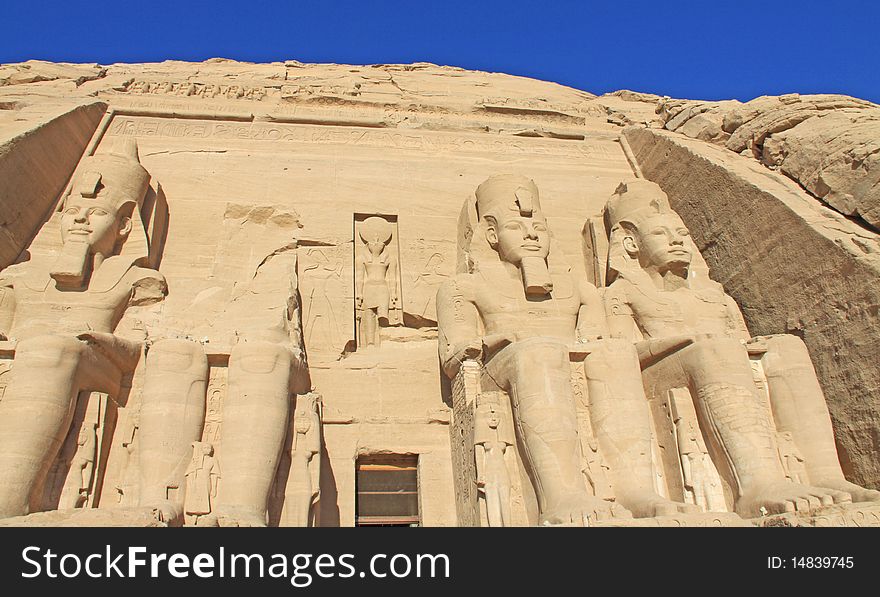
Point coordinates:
pixel 679 311
pixel 508 299
pixel 51 310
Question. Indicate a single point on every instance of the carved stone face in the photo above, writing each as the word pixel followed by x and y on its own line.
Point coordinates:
pixel 375 247
pixel 662 241
pixel 515 237
pixel 93 221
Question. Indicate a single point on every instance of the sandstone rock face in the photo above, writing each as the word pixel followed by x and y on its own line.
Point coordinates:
pixel 827 143
pixel 227 285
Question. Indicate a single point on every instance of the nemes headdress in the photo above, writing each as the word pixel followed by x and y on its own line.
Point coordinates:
pixel 119 172
pixel 116 178
pixel 635 201
pixel 508 192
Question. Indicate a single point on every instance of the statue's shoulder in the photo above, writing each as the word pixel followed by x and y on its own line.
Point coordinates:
pixel 9 275
pixel 617 297
pixel 621 288
pixel 148 285
pixel 460 285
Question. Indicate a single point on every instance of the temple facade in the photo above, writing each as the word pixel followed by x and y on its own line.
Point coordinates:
pixel 409 295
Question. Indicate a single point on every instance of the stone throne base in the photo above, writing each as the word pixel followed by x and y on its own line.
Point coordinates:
pixel 136 516
pixel 853 515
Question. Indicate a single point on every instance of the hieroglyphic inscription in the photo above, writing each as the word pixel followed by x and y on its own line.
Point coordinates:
pixel 599 150
pixel 465 388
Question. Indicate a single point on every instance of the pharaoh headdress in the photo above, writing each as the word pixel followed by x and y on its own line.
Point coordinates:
pixel 634 203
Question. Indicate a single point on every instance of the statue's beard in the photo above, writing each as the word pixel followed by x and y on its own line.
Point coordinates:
pixel 73 266
pixel 535 276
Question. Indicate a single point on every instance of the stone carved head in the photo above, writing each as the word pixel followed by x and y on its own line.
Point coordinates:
pixel 99 209
pixel 515 225
pixel 102 212
pixel 376 234
pixel 644 231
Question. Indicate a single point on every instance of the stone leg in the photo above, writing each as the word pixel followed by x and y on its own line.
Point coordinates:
pixel 171 419
pixel 255 421
pixel 36 413
pixel 536 375
pixel 299 494
pixel 720 378
pixel 621 419
pixel 799 407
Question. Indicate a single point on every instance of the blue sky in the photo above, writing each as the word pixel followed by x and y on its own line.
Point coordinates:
pixel 694 49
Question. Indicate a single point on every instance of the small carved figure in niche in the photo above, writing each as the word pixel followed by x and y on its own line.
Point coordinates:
pixel 702 485
pixel 492 438
pixel 791 457
pixel 377 292
pixel 82 467
pixel 65 313
pixel 303 485
pixel 202 476
pixel 694 335
pixel 596 470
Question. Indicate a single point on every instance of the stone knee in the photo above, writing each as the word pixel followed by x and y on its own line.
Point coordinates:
pixel 539 354
pixel 786 352
pixel 719 360
pixel 49 353
pixel 611 359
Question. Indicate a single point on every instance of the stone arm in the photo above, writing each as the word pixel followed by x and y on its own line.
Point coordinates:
pixel 7 311
pixel 591 318
pixel 215 478
pixel 622 324
pixel 735 322
pixel 148 287
pixel 458 323
pixel 391 279
pixel 7 300
pixel 360 276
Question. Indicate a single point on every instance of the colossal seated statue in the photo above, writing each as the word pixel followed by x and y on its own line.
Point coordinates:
pixel 515 308
pixel 689 333
pixel 62 314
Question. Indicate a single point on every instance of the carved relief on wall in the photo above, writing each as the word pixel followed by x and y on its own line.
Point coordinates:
pixel 325 288
pixel 423 283
pixel 377 277
pixel 465 387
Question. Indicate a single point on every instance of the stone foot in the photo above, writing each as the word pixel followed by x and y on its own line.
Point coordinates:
pixel 783 496
pixel 859 494
pixel 581 510
pixel 240 516
pixel 168 512
pixel 649 505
